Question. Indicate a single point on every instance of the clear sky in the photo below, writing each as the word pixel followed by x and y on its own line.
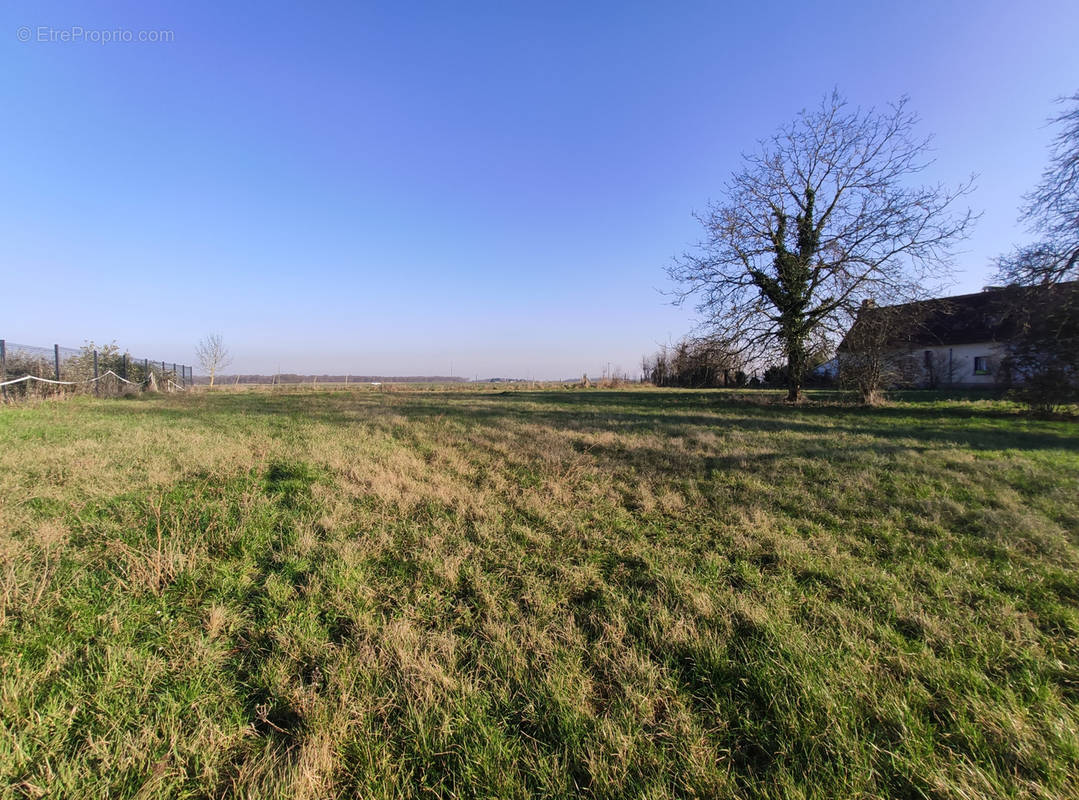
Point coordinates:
pixel 344 187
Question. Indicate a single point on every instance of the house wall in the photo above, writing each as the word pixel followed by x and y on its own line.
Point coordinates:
pixel 962 364
pixel 950 366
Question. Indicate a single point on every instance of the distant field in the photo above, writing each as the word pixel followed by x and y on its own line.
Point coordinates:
pixel 657 594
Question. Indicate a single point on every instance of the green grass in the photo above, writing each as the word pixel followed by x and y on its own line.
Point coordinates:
pixel 559 593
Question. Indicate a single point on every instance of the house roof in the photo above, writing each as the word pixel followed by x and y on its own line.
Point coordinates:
pixel 986 316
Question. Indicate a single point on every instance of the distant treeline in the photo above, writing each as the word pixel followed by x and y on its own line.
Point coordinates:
pixel 694 364
pixel 224 380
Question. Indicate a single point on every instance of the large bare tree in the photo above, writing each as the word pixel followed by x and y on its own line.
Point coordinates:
pixel 823 216
pixel 1043 352
pixel 1052 212
pixel 212 354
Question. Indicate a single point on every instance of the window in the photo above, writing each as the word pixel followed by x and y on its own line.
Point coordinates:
pixel 981 365
pixel 928 358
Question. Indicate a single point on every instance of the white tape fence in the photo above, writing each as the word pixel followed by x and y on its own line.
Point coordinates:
pixel 105 370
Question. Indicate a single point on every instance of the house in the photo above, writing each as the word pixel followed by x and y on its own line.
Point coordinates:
pixel 957 341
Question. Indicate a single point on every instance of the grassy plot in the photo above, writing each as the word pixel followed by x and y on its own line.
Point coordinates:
pixel 602 594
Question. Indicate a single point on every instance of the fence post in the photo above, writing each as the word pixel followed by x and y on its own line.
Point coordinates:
pixel 124 367
pixel 3 367
pixel 56 359
pixel 97 389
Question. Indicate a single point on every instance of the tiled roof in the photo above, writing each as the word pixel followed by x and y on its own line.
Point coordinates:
pixel 986 316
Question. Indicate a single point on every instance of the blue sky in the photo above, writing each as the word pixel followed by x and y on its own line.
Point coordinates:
pixel 395 188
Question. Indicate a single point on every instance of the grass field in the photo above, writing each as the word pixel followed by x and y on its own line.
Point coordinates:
pixel 565 593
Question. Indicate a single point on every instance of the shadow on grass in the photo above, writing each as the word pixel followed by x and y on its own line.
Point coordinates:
pixel 929 422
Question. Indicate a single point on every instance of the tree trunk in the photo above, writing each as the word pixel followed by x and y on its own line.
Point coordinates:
pixel 796 364
pixel 794 390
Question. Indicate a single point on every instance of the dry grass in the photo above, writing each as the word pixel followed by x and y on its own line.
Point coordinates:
pixel 608 594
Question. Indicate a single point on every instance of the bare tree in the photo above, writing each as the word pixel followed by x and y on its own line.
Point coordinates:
pixel 212 354
pixel 1052 212
pixel 821 218
pixel 1043 352
pixel 693 363
pixel 874 355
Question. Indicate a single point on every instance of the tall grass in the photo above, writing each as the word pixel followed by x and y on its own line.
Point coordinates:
pixel 602 594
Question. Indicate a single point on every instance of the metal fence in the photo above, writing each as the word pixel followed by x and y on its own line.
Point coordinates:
pixel 27 368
